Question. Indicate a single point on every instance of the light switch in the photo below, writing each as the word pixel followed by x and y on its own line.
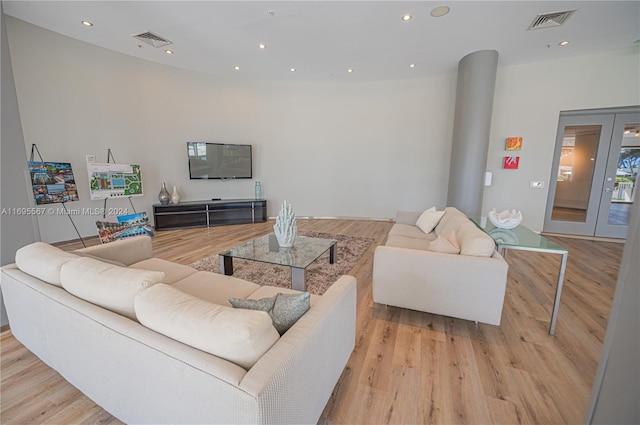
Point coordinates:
pixel 487 178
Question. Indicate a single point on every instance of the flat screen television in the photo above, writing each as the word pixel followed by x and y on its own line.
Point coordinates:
pixel 219 161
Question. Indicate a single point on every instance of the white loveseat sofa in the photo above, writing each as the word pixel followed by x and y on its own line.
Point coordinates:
pixel 142 376
pixel 469 285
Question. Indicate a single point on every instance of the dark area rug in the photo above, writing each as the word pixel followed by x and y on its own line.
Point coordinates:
pixel 319 275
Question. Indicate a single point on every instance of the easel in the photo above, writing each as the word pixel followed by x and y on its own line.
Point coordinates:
pixel 35 149
pixel 104 207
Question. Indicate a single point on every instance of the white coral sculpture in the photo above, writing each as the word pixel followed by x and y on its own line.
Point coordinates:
pixel 285 227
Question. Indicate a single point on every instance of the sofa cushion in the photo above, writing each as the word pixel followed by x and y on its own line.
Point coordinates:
pixel 215 287
pixel 410 231
pixel 451 220
pixel 429 219
pixel 474 241
pixel 43 261
pixel 240 336
pixel 445 244
pixel 284 309
pixel 95 257
pixel 109 286
pixel 408 243
pixel 173 271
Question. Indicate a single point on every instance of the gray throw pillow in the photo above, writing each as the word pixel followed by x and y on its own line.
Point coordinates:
pixel 263 304
pixel 284 309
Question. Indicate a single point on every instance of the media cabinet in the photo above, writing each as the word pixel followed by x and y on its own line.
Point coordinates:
pixel 209 213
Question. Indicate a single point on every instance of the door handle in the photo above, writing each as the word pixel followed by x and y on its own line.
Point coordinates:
pixel 608 189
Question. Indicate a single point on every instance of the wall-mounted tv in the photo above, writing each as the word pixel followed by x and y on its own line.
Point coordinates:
pixel 219 161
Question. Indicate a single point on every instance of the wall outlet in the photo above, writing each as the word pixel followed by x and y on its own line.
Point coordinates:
pixel 536 184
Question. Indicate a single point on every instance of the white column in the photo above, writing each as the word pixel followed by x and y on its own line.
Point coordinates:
pixel 471 127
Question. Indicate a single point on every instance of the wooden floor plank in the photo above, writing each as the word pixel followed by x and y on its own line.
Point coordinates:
pixel 408 367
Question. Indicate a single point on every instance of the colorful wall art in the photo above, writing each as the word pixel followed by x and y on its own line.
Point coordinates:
pixel 511 162
pixel 513 143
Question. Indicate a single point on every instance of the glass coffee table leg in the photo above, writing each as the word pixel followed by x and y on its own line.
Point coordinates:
pixel 226 265
pixel 297 279
pixel 332 254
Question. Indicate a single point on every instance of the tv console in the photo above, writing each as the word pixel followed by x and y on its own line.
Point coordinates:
pixel 209 213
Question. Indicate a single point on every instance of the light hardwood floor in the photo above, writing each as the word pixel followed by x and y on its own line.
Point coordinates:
pixel 408 367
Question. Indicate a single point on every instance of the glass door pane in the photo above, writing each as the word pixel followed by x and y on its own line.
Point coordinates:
pixel 624 191
pixel 575 172
pixel 619 189
pixel 578 171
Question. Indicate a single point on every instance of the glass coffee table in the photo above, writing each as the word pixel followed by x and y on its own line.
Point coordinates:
pixel 265 249
pixel 523 239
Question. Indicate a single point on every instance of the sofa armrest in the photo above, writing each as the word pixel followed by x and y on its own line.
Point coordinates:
pixel 127 251
pixel 308 359
pixel 407 217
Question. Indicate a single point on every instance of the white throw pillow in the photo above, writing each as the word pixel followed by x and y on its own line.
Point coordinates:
pixel 238 335
pixel 429 219
pixel 43 261
pixel 445 244
pixel 109 286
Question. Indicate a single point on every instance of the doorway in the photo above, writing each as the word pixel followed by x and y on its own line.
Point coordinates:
pixel 594 173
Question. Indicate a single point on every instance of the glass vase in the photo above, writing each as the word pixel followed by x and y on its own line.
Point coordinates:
pixel 164 197
pixel 258 191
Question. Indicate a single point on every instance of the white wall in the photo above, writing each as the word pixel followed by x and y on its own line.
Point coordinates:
pixel 331 149
pixel 16 230
pixel 614 396
pixel 354 150
pixel 528 102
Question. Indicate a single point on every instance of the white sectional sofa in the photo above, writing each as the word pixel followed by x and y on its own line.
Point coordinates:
pixel 469 285
pixel 142 376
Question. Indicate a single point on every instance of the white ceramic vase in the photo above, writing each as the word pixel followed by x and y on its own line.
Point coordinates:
pixel 285 228
pixel 175 196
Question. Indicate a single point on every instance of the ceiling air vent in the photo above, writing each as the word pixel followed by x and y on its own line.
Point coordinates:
pixel 553 19
pixel 152 39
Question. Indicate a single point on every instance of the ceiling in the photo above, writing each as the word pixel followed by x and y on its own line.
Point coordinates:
pixel 322 39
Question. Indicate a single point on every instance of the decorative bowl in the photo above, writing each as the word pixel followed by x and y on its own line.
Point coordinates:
pixel 505 219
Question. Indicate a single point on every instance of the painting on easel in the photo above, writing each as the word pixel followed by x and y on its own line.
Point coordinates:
pixel 52 182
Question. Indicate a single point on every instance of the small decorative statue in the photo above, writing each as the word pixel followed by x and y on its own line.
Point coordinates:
pixel 285 228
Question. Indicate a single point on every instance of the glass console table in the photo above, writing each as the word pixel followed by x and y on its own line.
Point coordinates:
pixel 523 239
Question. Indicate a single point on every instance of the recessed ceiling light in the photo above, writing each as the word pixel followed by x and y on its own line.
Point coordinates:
pixel 349 70
pixel 440 11
pixel 262 46
pixel 563 43
pixel 637 134
pixel 413 65
pixel 169 52
pixel 292 69
pixel 87 24
pixel 406 17
pixel 237 68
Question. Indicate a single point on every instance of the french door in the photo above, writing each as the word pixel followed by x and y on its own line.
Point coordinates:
pixel 594 173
